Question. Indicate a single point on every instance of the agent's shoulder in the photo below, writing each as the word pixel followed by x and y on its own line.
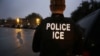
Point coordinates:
pixel 47 19
pixel 68 19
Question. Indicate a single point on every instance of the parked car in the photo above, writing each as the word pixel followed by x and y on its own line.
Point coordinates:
pixel 91 26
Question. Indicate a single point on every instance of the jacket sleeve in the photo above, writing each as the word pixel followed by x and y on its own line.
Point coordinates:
pixel 79 41
pixel 36 40
pixel 78 44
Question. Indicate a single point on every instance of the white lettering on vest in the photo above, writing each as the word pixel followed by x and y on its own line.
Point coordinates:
pixel 58 29
pixel 58 35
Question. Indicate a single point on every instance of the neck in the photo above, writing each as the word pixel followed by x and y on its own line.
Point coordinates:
pixel 57 12
pixel 57 15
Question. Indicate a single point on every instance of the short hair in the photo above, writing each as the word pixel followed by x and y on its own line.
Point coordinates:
pixel 57 5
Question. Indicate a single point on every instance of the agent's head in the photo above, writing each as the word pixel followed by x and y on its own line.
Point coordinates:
pixel 57 6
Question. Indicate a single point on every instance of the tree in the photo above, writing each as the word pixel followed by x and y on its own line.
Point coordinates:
pixel 82 11
pixel 31 19
pixel 85 9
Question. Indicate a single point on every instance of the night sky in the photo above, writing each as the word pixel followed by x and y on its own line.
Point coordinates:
pixel 22 8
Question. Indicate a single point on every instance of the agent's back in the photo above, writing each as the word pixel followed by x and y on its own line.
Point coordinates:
pixel 57 36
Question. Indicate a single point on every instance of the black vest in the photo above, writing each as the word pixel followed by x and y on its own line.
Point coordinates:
pixel 57 36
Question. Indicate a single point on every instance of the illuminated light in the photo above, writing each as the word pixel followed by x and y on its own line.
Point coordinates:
pixel 37 21
pixel 18 20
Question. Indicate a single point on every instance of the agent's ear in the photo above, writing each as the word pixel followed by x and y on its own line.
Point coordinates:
pixel 50 7
pixel 64 7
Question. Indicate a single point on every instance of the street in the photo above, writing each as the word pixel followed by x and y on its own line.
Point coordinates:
pixel 16 42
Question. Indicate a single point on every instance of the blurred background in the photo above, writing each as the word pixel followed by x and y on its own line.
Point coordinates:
pixel 19 18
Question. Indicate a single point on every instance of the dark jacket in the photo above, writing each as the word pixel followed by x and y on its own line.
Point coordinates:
pixel 57 36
